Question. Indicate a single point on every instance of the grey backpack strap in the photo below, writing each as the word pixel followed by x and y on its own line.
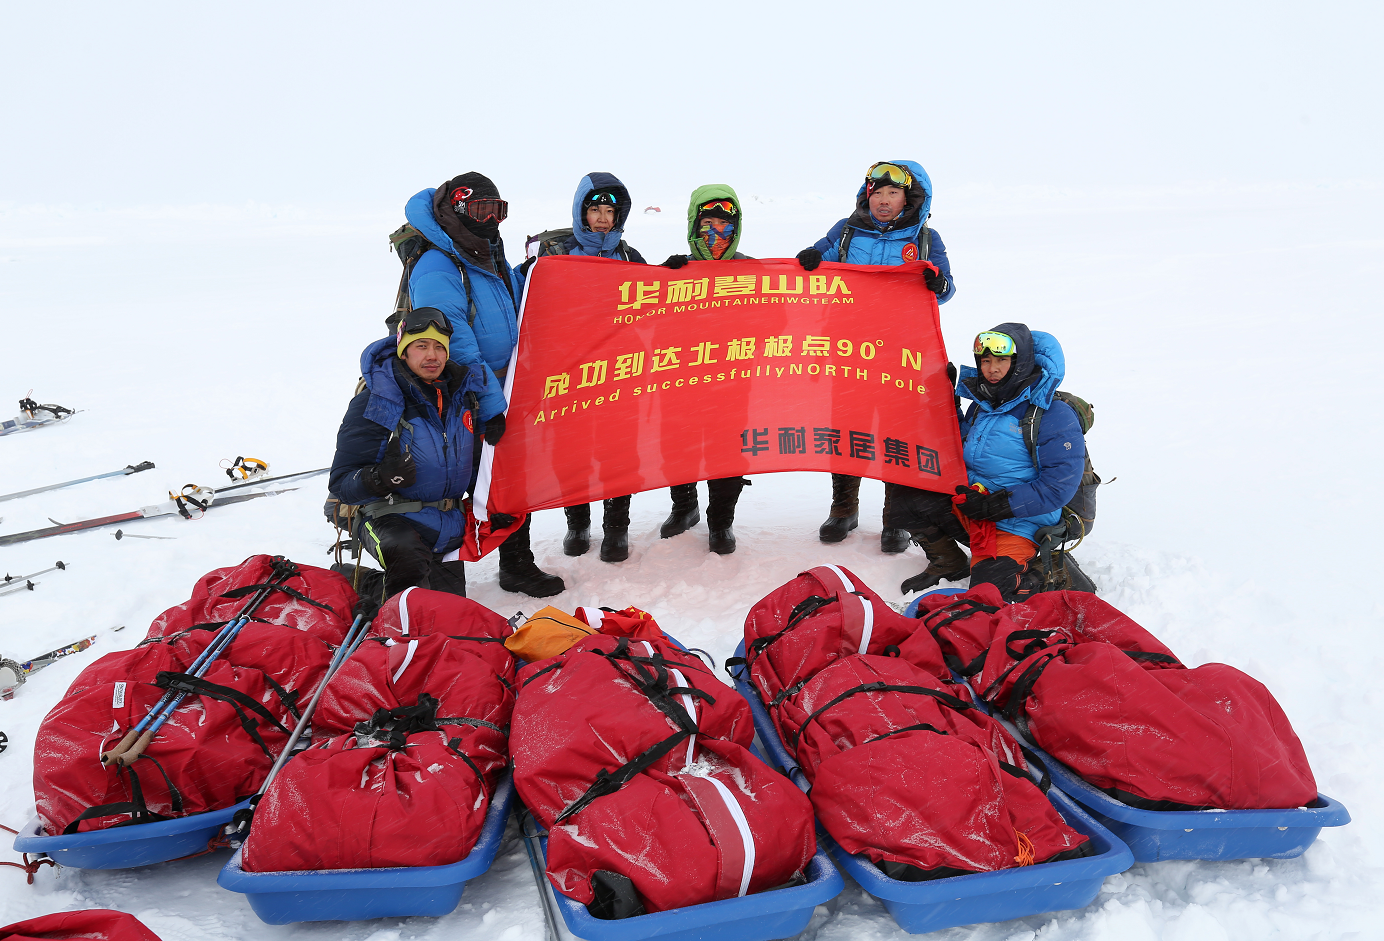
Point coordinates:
pixel 1030 423
pixel 924 242
pixel 845 244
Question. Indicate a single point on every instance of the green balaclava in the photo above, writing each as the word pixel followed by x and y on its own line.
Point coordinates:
pixel 731 222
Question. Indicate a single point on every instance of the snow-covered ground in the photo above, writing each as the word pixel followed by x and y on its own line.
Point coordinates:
pixel 1226 334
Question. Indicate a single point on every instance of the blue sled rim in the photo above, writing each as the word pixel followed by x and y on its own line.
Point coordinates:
pixel 977 897
pixel 776 913
pixel 141 844
pixel 281 898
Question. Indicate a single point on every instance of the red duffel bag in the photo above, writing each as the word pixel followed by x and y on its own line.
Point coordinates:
pixel 637 761
pixel 92 924
pixel 421 612
pixel 1103 696
pixel 909 773
pixel 846 617
pixel 315 600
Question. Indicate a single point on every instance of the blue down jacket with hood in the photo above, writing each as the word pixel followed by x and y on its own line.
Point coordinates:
pixel 441 446
pixel 583 241
pixel 485 345
pixel 872 246
pixel 994 442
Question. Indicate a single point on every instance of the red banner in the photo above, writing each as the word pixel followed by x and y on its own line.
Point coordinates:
pixel 632 377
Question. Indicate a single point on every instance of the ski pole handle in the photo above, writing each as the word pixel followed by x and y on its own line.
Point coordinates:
pixel 121 748
pixel 129 757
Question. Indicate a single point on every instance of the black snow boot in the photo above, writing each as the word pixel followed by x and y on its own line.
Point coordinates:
pixel 892 539
pixel 615 544
pixel 945 561
pixel 845 508
pixel 684 514
pixel 578 538
pixel 722 495
pixel 519 573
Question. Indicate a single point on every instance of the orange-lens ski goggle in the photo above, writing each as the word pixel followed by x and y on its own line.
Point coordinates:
pixel 724 205
pixel 998 344
pixel 486 209
pixel 890 174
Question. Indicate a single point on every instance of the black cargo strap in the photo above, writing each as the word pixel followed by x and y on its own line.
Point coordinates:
pixel 650 677
pixel 476 723
pixel 880 686
pixel 1150 655
pixel 548 669
pixel 801 611
pixel 955 612
pixel 1037 640
pixel 244 590
pixel 136 807
pixel 196 686
pixel 452 744
pixel 787 691
pixel 1031 649
pixel 1023 686
pixel 920 727
pixel 479 640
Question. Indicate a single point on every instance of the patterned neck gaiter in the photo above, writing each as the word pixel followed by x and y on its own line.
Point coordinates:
pixel 717 236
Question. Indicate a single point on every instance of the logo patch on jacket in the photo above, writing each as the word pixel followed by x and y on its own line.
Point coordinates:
pixel 910 252
pixel 468 418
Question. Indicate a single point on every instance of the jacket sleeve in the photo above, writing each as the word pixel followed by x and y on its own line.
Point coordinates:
pixel 937 254
pixel 1061 462
pixel 829 243
pixel 359 444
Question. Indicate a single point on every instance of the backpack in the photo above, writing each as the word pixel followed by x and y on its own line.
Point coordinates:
pixel 554 242
pixel 1079 515
pixel 410 245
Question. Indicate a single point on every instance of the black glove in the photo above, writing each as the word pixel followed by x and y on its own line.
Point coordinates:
pixel 935 281
pixel 395 472
pixel 494 430
pixel 951 374
pixel 986 506
pixel 809 258
pixel 524 268
pixel 675 261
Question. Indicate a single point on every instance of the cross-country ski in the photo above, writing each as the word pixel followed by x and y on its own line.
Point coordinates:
pixel 125 471
pixel 33 415
pixel 14 673
pixel 168 508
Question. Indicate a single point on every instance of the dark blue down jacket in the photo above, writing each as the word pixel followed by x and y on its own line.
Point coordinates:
pixel 441 447
pixel 994 442
pixel 870 245
pixel 484 344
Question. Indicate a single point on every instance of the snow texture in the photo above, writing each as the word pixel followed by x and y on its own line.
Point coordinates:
pixel 1222 316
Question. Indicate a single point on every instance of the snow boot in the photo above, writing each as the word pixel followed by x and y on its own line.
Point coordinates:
pixel 845 508
pixel 945 561
pixel 894 541
pixel 684 514
pixel 723 494
pixel 615 544
pixel 368 583
pixel 518 571
pixel 578 538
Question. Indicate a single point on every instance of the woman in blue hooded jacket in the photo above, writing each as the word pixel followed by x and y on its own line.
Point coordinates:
pixel 888 227
pixel 1015 370
pixel 599 210
pixel 466 277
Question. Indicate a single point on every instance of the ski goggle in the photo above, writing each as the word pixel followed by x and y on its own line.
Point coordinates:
pixel 997 344
pixel 417 322
pixel 602 199
pixel 484 209
pixel 889 174
pixel 718 205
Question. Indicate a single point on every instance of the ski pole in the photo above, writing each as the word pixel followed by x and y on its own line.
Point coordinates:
pixel 21 578
pixel 139 737
pixel 530 844
pixel 125 471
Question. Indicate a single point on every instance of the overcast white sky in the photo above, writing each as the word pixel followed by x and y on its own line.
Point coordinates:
pixel 353 103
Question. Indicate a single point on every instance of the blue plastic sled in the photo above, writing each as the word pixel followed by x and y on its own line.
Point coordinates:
pixel 1190 834
pixel 279 898
pixel 920 907
pixel 141 844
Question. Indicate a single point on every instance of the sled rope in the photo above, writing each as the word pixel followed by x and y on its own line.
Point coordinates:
pixel 30 866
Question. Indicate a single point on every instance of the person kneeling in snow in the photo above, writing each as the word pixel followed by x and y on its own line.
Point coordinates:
pixel 404 458
pixel 1013 493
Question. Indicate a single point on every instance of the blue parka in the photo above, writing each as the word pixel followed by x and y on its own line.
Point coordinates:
pixel 871 246
pixel 486 344
pixel 441 446
pixel 600 244
pixel 994 441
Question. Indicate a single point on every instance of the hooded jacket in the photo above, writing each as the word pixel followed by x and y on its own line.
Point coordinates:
pixel 994 441
pixel 441 446
pixel 583 241
pixel 485 344
pixel 705 194
pixel 871 245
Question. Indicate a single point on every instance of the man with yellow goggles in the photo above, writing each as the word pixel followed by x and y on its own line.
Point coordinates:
pixel 888 174
pixel 996 344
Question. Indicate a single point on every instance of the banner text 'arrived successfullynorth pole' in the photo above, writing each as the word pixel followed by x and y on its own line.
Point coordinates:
pixel 632 377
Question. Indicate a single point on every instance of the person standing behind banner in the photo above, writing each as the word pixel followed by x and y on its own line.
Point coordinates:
pixel 599 210
pixel 713 232
pixel 888 227
pixel 465 275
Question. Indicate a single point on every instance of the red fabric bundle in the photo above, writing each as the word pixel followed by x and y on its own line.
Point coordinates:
pixel 1103 696
pixel 421 612
pixel 683 809
pixel 92 924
